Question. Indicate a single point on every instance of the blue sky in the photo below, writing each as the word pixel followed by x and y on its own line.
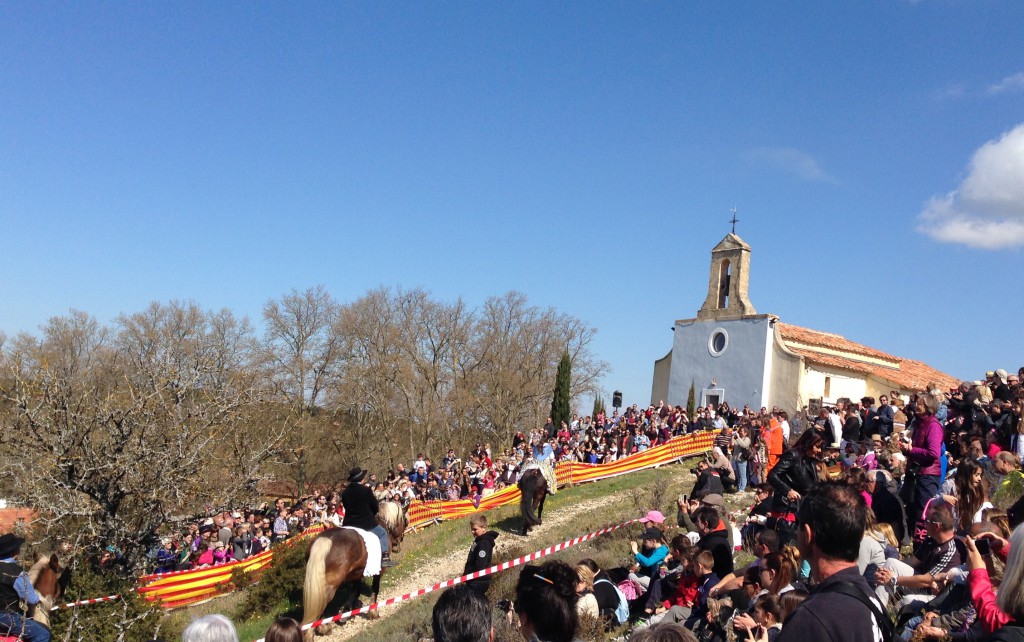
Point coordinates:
pixel 586 154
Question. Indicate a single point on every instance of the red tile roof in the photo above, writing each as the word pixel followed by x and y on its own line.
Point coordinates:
pixel 905 373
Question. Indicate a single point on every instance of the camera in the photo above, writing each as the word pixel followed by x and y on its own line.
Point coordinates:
pixel 983 545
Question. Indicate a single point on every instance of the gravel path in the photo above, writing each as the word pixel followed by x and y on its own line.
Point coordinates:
pixel 451 565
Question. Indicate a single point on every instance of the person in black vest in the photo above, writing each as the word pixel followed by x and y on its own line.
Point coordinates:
pixel 480 552
pixel 15 587
pixel 361 511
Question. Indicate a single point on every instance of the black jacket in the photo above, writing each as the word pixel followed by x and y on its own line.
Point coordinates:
pixel 833 616
pixel 360 507
pixel 793 471
pixel 479 558
pixel 605 593
pixel 708 481
pixel 717 543
pixel 9 600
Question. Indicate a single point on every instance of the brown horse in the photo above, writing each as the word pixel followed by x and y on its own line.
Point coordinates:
pixel 336 557
pixel 50 581
pixel 534 489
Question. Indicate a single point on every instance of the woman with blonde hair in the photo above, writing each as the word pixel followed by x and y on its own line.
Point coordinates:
pixel 780 570
pixel 587 604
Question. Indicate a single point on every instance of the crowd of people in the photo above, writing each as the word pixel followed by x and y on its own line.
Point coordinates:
pixel 238 534
pixel 871 521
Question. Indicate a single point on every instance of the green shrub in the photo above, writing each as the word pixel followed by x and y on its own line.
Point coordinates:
pixel 130 618
pixel 280 581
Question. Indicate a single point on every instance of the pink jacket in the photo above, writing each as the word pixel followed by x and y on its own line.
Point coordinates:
pixel 984 599
pixel 926 446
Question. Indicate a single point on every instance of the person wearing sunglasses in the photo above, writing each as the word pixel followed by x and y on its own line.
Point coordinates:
pixel 915 577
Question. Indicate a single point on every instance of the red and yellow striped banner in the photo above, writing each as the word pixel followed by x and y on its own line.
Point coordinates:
pixel 175 590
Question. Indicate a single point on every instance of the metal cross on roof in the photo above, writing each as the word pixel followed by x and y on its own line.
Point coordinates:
pixel 734 220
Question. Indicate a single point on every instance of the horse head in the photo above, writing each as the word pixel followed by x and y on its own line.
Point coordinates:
pixel 50 581
pixel 394 517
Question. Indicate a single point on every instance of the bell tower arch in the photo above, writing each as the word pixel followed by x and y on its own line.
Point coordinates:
pixel 728 281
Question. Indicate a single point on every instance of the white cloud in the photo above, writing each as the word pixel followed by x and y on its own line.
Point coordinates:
pixel 987 209
pixel 1010 83
pixel 789 160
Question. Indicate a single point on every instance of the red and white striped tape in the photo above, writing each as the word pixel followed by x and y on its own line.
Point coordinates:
pixel 472 576
pixel 94 600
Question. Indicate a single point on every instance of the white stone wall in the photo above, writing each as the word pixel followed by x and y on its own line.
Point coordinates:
pixel 841 384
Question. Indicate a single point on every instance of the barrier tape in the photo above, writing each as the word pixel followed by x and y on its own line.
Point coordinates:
pixel 176 589
pixel 94 600
pixel 472 576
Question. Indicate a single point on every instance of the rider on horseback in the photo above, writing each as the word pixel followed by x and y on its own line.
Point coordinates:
pixel 14 588
pixel 361 511
pixel 544 455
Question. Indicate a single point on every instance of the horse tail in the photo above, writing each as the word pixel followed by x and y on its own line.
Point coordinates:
pixel 314 589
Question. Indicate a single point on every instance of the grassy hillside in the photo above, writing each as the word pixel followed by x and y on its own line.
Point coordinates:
pixel 572 512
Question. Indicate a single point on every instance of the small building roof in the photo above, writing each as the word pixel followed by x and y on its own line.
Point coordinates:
pixel 833 350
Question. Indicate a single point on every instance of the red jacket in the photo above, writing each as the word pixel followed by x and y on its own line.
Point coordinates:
pixel 984 599
pixel 686 591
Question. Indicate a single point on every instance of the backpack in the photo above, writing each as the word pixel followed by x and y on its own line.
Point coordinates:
pixel 920 533
pixel 622 610
pixel 881 619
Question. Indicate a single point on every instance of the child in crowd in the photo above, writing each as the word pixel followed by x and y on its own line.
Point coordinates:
pixel 680 602
pixel 648 559
pixel 702 565
pixel 480 553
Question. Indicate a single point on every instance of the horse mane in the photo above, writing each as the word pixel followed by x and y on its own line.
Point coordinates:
pixel 42 562
pixel 393 517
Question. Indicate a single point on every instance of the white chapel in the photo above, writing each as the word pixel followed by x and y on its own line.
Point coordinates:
pixel 731 353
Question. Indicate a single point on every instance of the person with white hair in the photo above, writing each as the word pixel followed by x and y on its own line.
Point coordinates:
pixel 210 628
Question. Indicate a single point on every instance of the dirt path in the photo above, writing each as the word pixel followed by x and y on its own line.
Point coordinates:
pixel 451 565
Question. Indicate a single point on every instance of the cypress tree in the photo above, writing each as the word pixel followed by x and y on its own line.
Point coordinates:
pixel 691 401
pixel 560 410
pixel 598 406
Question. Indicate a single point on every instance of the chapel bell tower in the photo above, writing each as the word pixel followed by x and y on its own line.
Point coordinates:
pixel 728 281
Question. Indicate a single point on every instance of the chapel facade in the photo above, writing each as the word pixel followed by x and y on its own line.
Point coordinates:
pixel 731 353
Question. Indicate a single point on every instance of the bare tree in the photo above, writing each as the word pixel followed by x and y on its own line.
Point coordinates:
pixel 117 431
pixel 300 347
pixel 516 348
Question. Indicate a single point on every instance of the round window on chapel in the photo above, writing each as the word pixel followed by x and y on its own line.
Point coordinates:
pixel 718 342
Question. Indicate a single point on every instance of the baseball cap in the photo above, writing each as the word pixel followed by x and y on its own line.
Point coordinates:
pixel 653 516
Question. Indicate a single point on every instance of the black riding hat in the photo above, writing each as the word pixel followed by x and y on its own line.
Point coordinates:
pixel 356 475
pixel 10 544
